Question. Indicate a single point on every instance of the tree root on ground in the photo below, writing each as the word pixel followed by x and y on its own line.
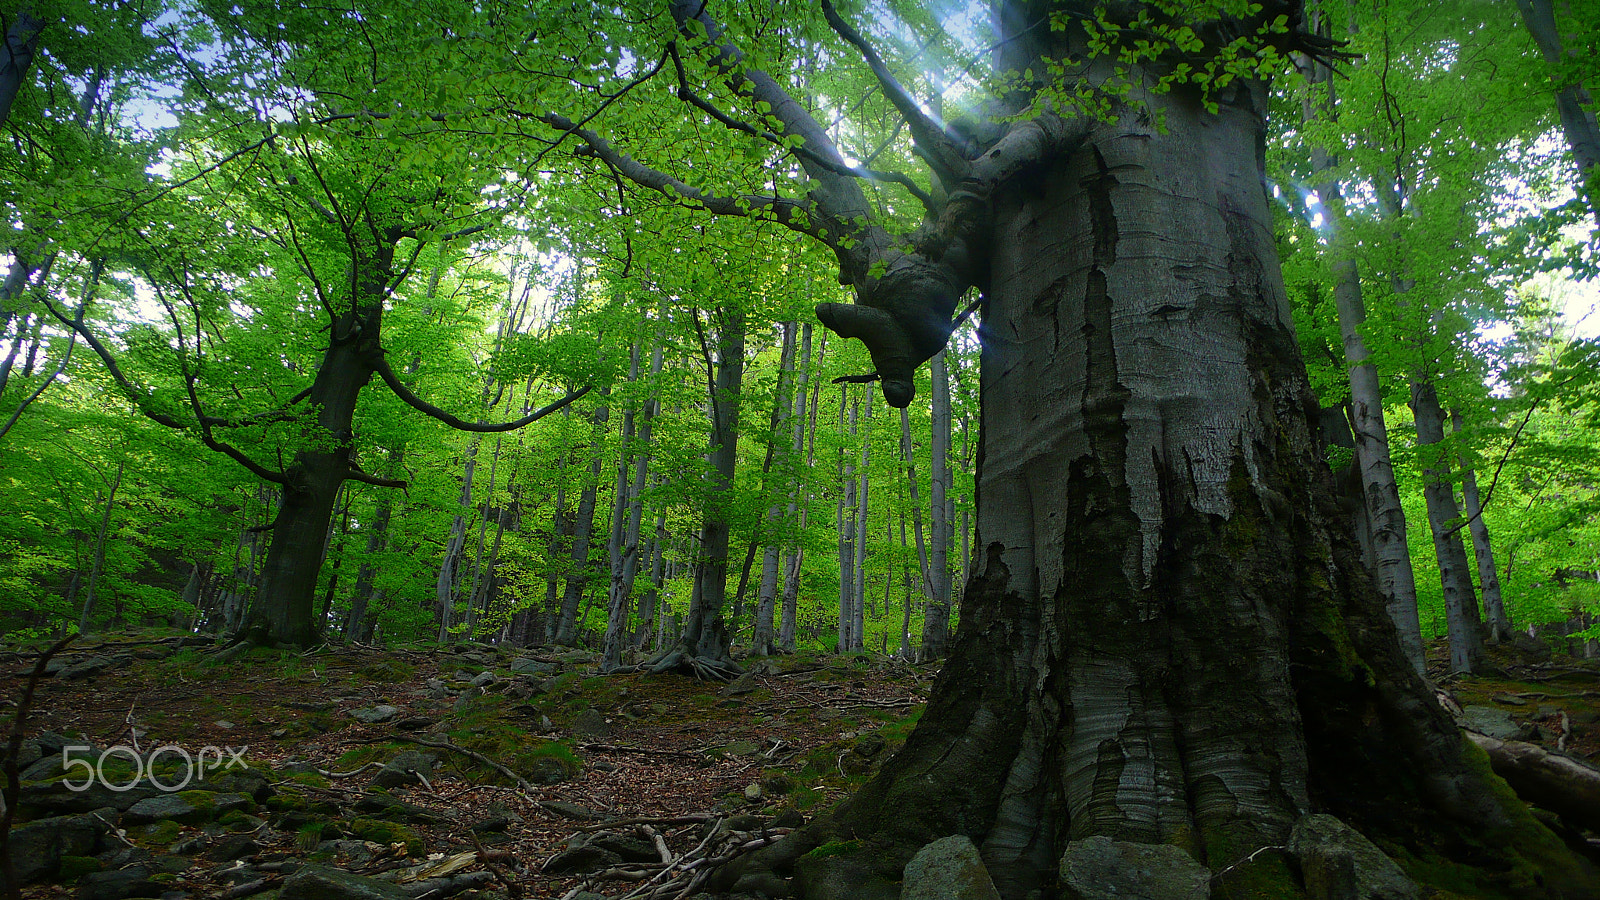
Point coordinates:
pixel 679 875
pixel 1561 784
pixel 699 668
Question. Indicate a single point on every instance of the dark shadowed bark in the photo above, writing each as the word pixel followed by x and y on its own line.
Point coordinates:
pixel 1574 103
pixel 1494 606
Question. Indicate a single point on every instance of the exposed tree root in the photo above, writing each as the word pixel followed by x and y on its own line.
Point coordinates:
pixel 700 668
pixel 1563 785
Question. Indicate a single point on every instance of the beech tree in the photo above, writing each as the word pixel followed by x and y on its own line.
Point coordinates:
pixel 1168 636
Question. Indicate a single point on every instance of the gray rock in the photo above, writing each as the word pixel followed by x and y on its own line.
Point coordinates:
pixel 744 684
pixel 403 769
pixel 948 869
pixel 530 666
pixel 36 847
pixel 547 770
pixel 581 857
pixel 630 849
pixel 1495 723
pixel 322 883
pixel 591 723
pixel 1099 868
pixel 373 715
pixel 55 798
pixel 1338 862
pixel 572 811
pixel 134 881
pixel 484 679
pixel 190 807
pixel 90 667
pixel 1529 647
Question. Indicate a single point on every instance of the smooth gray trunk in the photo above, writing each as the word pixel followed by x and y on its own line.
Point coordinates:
pixel 625 552
pixel 1462 621
pixel 778 528
pixel 858 594
pixel 102 534
pixel 800 493
pixel 1494 607
pixel 844 521
pixel 566 630
pixel 444 594
pixel 1574 103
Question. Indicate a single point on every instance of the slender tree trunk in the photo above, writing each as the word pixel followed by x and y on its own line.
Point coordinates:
pixel 358 626
pixel 1494 607
pixel 800 494
pixel 763 639
pixel 483 513
pixel 625 564
pixel 702 649
pixel 924 565
pixel 566 631
pixel 1460 600
pixel 455 545
pixel 844 520
pixel 97 567
pixel 858 594
pixel 16 57
pixel 1574 104
pixel 338 529
pixel 650 597
pixel 936 615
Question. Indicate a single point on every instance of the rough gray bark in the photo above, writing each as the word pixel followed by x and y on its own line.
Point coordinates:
pixel 936 613
pixel 1462 620
pixel 1574 103
pixel 1494 607
pixel 1169 637
pixel 924 567
pixel 702 649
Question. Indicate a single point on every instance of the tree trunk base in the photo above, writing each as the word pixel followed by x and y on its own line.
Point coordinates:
pixel 700 668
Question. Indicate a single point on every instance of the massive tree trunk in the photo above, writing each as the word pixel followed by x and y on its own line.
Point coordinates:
pixel 1169 637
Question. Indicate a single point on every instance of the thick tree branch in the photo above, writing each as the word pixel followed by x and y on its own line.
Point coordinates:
pixel 800 216
pixel 941 151
pixel 687 94
pixel 404 393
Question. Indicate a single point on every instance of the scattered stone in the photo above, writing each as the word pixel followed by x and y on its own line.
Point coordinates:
pixel 1337 861
pixel 777 784
pixel 414 723
pixel 374 715
pixel 738 748
pixel 493 824
pixel 189 807
pixel 484 679
pixel 630 849
pixel 948 869
pixel 403 769
pixel 573 811
pixel 233 847
pixel 86 669
pixel 386 806
pixel 548 770
pixel 1508 699
pixel 1495 723
pixel 55 798
pixel 530 666
pixel 592 724
pixel 1099 868
pixel 789 817
pixel 134 881
pixel 869 745
pixel 322 883
pixel 581 857
pixel 224 723
pixel 744 684
pixel 37 847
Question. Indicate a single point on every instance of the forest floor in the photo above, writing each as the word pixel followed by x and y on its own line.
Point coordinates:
pixel 648 756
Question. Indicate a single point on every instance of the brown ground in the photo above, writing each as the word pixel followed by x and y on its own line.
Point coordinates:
pixel 644 746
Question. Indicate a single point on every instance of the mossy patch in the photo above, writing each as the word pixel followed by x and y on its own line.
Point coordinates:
pixel 835 848
pixel 75 867
pixel 387 833
pixel 156 833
